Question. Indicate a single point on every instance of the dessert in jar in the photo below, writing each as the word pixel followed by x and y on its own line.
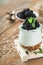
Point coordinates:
pixel 30 34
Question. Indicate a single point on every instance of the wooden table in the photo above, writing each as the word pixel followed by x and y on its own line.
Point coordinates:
pixel 8 31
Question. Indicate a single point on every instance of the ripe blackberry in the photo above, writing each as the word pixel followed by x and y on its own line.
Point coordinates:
pixel 24 25
pixel 27 9
pixel 37 24
pixel 20 15
pixel 27 14
pixel 24 11
pixel 33 15
pixel 28 26
pixel 31 11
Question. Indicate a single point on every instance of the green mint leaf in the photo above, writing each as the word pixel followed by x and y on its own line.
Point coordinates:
pixel 34 20
pixel 30 20
pixel 33 25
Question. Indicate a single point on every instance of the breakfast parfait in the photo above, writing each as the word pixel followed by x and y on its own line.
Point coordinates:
pixel 30 31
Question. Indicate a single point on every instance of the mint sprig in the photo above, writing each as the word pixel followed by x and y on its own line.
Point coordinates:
pixel 32 21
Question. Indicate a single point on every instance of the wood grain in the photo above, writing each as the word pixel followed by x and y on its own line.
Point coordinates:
pixel 8 31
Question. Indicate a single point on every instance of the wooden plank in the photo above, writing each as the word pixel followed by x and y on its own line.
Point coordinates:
pixel 5 24
pixel 10 32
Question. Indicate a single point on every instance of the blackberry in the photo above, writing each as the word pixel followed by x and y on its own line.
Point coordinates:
pixel 28 26
pixel 24 17
pixel 31 11
pixel 27 14
pixel 37 24
pixel 20 15
pixel 33 15
pixel 24 11
pixel 24 26
pixel 27 9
